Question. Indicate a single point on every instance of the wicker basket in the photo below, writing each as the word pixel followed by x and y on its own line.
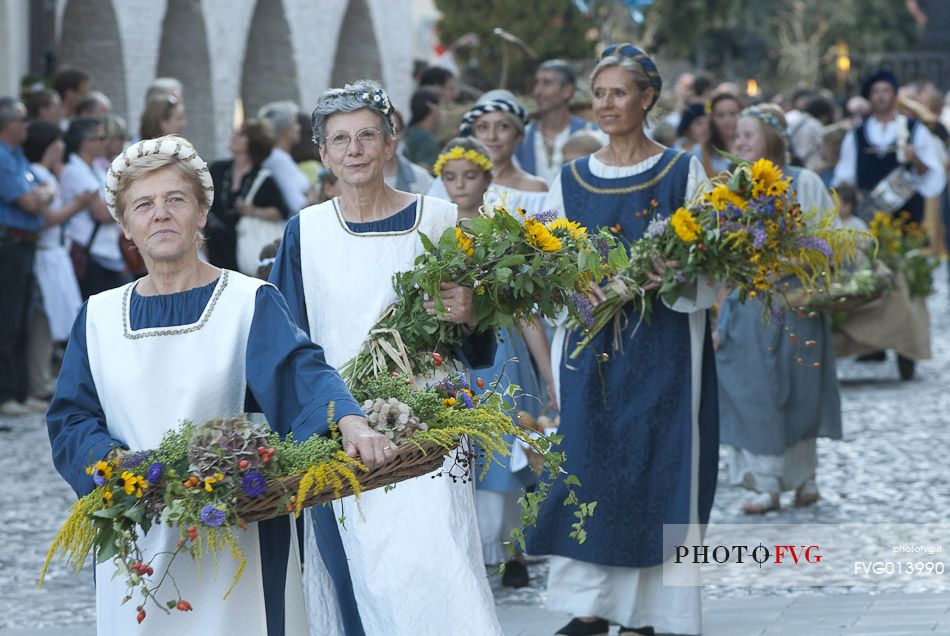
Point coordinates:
pixel 411 460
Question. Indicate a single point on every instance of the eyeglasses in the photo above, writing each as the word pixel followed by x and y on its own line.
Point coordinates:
pixel 365 137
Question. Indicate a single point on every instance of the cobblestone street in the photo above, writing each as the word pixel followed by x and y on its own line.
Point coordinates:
pixel 891 467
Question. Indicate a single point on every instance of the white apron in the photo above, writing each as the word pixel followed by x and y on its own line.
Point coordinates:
pixel 414 553
pixel 148 381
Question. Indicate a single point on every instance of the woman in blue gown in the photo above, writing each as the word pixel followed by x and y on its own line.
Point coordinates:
pixel 640 427
pixel 776 396
pixel 191 341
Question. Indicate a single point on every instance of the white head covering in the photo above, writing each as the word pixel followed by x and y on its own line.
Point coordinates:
pixel 171 145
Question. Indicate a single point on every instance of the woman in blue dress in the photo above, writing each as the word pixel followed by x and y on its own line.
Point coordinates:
pixel 191 341
pixel 640 425
pixel 776 395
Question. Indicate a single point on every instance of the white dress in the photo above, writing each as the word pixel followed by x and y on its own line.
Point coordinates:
pixel 498 194
pixel 123 361
pixel 414 552
pixel 54 269
pixel 636 597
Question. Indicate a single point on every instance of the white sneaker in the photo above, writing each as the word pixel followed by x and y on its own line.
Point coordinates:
pixel 36 405
pixel 14 408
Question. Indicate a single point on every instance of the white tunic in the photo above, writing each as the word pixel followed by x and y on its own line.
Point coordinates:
pixel 148 381
pixel 414 553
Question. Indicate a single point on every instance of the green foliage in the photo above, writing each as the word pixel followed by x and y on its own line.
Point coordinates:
pixel 554 29
pixel 782 43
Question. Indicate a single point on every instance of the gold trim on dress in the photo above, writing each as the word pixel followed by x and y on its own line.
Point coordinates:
pixel 346 228
pixel 627 190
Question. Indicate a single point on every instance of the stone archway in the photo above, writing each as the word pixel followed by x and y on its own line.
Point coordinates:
pixel 183 53
pixel 90 40
pixel 357 51
pixel 269 72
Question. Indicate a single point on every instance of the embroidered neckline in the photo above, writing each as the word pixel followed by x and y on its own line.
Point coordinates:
pixel 148 332
pixel 346 228
pixel 628 189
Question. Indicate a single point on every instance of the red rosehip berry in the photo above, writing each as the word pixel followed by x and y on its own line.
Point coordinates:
pixel 141 616
pixel 244 464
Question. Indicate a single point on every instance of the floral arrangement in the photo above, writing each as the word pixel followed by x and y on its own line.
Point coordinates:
pixel 206 480
pixel 517 265
pixel 457 152
pixel 901 246
pixel 747 229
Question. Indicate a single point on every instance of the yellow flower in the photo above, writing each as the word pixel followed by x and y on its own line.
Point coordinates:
pixel 767 179
pixel 722 196
pixel 540 236
pixel 132 483
pixel 101 468
pixel 106 497
pixel 210 481
pixel 464 242
pixel 457 152
pixel 685 225
pixel 449 402
pixel 571 227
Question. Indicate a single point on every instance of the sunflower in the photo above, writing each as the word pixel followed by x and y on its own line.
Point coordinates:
pixel 570 227
pixel 685 225
pixel 464 242
pixel 722 196
pixel 540 236
pixel 767 179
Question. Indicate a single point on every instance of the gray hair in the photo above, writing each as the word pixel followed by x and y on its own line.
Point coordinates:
pixel 280 115
pixel 351 98
pixel 637 72
pixel 162 86
pixel 563 69
pixel 8 110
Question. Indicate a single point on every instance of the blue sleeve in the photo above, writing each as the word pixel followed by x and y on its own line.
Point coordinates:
pixel 13 183
pixel 75 420
pixel 288 374
pixel 286 276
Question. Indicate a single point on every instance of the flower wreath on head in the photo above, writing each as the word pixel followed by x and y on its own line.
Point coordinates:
pixel 373 96
pixel 767 118
pixel 458 152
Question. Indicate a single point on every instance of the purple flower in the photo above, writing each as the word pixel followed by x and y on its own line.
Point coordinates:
pixel 254 484
pixel 211 516
pixel 466 400
pixel 603 246
pixel 98 479
pixel 657 227
pixel 778 316
pixel 584 308
pixel 758 238
pixel 814 243
pixel 547 216
pixel 131 460
pixel 679 277
pixel 154 473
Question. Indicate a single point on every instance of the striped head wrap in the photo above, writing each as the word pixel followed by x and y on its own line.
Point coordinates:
pixel 641 57
pixel 496 101
pixel 171 145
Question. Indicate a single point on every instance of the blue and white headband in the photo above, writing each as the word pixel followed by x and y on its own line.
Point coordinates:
pixel 641 57
pixel 767 118
pixel 497 104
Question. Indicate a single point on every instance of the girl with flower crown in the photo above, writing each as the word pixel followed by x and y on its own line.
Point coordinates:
pixel 640 424
pixel 498 121
pixel 522 355
pixel 778 389
pixel 405 561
